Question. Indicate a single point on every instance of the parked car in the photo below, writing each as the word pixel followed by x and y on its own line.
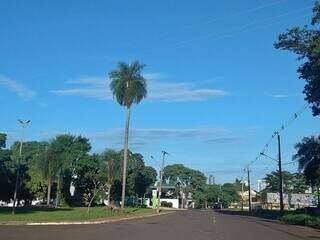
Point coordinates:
pixel 216 205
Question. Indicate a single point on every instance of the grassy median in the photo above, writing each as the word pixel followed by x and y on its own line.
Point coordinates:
pixel 44 214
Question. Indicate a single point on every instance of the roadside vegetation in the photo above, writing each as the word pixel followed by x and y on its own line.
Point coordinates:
pixel 302 219
pixel 292 217
pixel 45 214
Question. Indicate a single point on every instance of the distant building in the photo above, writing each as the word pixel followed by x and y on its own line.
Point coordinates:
pixel 262 184
pixel 211 180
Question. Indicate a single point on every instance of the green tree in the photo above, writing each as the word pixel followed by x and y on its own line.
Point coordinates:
pixel 292 182
pixel 6 176
pixel 112 160
pixel 308 156
pixel 29 152
pixel 91 178
pixel 144 179
pixel 71 149
pixel 128 86
pixel 187 181
pixel 305 42
pixel 48 163
pixel 3 140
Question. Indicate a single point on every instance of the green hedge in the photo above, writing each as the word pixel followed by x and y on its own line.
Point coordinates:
pixel 302 219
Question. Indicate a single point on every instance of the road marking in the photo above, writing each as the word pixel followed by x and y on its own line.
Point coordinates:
pixel 214 220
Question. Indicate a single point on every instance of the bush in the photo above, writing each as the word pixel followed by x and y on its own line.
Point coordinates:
pixel 166 204
pixel 301 219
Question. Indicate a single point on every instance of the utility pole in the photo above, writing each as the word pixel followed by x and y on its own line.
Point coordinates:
pixel 280 175
pixel 23 124
pixel 249 188
pixel 164 153
pixel 242 194
pixel 220 193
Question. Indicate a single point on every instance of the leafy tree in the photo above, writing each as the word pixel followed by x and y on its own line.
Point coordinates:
pixel 292 182
pixel 112 161
pixel 144 179
pixel 91 178
pixel 128 86
pixel 48 163
pixel 3 140
pixel 187 181
pixel 308 156
pixel 6 176
pixel 29 152
pixel 226 193
pixel 134 170
pixel 71 150
pixel 305 42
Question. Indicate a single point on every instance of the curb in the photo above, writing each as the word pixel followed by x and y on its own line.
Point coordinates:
pixel 85 222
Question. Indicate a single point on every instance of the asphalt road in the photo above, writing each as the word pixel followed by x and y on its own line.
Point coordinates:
pixel 184 225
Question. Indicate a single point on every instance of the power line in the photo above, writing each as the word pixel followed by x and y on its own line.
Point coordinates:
pixel 215 19
pixel 266 22
pixel 279 130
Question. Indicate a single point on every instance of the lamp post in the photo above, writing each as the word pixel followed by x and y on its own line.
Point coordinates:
pixel 164 153
pixel 242 195
pixel 249 189
pixel 23 124
pixel 280 173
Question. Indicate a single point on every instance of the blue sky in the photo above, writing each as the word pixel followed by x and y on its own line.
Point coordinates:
pixel 217 87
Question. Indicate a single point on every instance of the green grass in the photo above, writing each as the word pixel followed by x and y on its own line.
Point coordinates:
pixel 43 214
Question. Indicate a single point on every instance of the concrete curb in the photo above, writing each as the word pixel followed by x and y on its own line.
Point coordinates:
pixel 85 222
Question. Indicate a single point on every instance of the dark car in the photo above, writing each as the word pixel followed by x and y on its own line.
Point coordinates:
pixel 216 205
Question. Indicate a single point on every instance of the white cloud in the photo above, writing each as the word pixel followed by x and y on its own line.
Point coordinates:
pixel 226 140
pixel 158 89
pixel 19 89
pixel 280 96
pixel 144 136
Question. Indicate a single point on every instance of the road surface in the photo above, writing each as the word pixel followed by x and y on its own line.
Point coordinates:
pixel 184 225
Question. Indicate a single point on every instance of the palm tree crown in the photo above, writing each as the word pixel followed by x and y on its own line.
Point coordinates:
pixel 308 156
pixel 127 83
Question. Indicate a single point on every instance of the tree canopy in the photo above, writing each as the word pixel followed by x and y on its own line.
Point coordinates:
pixel 308 156
pixel 128 84
pixel 292 182
pixel 305 42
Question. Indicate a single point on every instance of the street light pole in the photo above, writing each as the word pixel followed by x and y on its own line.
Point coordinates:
pixel 23 124
pixel 161 176
pixel 280 172
pixel 280 176
pixel 249 188
pixel 242 194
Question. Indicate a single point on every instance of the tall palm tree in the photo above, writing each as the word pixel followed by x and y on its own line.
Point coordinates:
pixel 128 86
pixel 48 165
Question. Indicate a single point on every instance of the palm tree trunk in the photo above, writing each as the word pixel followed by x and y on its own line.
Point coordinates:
pixel 125 158
pixel 49 191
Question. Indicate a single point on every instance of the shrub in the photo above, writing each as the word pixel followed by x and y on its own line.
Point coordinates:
pixel 166 204
pixel 301 219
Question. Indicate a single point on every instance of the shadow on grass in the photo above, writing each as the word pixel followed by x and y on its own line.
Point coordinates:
pixel 29 210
